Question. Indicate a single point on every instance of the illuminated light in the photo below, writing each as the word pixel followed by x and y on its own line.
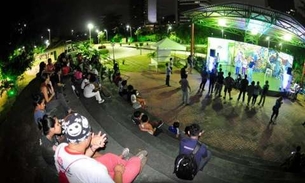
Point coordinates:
pixel 254 31
pixel 267 38
pixel 287 37
pixel 222 22
pixel 11 93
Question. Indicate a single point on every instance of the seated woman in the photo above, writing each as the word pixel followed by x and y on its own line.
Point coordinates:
pixel 39 105
pixel 136 101
pixel 92 89
pixel 78 75
pixel 48 92
pixel 51 137
pixel 50 66
pixel 123 88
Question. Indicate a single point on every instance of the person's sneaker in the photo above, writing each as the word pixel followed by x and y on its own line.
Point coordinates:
pixel 160 123
pixel 143 157
pixel 125 153
pixel 142 154
pixel 101 101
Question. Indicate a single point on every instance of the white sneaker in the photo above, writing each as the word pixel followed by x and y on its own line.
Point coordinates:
pixel 125 153
pixel 101 101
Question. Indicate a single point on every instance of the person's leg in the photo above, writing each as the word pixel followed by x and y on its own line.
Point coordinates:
pixel 204 161
pixel 132 169
pixel 110 160
pixel 187 97
pixel 62 101
pixel 244 93
pixel 239 95
pixel 98 96
pixel 183 97
pixel 264 98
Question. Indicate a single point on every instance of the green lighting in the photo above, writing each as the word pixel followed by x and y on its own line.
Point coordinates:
pixel 11 93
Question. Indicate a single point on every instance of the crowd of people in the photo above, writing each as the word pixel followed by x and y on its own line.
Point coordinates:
pixel 69 145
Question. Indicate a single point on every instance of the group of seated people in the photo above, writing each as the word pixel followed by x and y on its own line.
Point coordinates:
pixel 145 124
pixel 129 93
pixel 69 145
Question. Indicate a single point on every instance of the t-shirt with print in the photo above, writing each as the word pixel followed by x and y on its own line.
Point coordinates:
pixel 85 169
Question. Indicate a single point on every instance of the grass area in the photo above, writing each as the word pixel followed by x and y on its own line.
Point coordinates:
pixel 137 63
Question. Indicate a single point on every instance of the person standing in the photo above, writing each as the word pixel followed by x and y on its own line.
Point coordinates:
pixel 250 92
pixel 183 72
pixel 275 110
pixel 168 72
pixel 190 61
pixel 204 78
pixel 256 92
pixel 243 88
pixel 188 144
pixel 185 87
pixel 264 93
pixel 212 80
pixel 228 82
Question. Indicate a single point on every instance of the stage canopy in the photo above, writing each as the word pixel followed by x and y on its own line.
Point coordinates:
pixel 252 22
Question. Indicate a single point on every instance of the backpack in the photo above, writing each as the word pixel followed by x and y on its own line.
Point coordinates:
pixel 186 166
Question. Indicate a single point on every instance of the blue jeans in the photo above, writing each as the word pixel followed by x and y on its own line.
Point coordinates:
pixel 204 161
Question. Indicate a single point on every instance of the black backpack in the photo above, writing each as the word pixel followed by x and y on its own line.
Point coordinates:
pixel 186 166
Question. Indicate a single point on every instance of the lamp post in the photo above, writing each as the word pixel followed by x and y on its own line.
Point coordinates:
pixel 106 34
pixel 129 27
pixel 112 44
pixel 90 27
pixel 72 31
pixel 222 33
pixel 97 32
pixel 268 41
pixel 49 30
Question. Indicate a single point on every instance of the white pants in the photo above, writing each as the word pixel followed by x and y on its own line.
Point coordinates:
pixel 97 95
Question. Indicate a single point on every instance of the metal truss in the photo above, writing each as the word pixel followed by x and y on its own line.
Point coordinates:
pixel 242 19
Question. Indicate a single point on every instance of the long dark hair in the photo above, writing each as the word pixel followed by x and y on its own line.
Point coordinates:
pixel 46 123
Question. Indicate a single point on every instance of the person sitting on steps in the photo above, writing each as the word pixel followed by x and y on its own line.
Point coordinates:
pixel 149 126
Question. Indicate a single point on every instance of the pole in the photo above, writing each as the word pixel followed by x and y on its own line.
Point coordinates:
pixel 112 44
pixel 192 39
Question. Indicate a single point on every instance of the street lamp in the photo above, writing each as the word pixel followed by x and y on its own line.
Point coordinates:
pixel 222 33
pixel 129 27
pixel 49 30
pixel 112 44
pixel 268 39
pixel 72 31
pixel 97 33
pixel 106 34
pixel 90 27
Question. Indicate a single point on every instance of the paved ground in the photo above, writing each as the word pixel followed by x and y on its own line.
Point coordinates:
pixel 229 125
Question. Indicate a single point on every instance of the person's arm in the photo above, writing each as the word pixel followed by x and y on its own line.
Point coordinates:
pixel 45 94
pixel 118 173
pixel 97 141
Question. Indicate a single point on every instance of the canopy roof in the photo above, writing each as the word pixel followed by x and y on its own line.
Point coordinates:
pixel 168 44
pixel 245 19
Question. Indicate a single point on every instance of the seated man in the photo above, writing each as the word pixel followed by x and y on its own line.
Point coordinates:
pixel 188 143
pixel 136 117
pixel 148 126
